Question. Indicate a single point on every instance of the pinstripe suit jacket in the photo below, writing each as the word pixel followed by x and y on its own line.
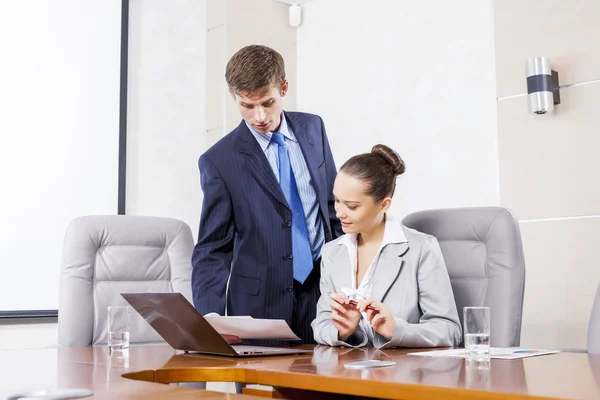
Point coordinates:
pixel 244 233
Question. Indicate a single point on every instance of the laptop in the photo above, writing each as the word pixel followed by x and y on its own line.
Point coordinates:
pixel 184 328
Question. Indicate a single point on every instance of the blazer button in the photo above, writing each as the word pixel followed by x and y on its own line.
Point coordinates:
pixel 289 288
pixel 287 224
pixel 289 256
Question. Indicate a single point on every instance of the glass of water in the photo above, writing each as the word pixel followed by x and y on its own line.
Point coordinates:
pixel 118 328
pixel 477 332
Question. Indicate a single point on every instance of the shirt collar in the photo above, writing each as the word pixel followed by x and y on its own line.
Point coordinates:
pixel 264 139
pixel 393 233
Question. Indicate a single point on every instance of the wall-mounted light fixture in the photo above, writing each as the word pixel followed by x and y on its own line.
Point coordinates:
pixel 295 11
pixel 295 15
pixel 542 86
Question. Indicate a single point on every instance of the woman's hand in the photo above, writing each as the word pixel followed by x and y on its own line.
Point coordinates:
pixel 380 317
pixel 345 316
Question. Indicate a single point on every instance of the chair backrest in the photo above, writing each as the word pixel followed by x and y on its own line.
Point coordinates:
pixel 484 255
pixel 104 256
pixel 593 342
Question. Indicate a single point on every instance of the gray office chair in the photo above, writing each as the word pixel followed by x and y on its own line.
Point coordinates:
pixel 593 339
pixel 484 255
pixel 104 256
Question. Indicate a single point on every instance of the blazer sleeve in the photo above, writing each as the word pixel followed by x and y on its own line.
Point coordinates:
pixel 439 325
pixel 324 330
pixel 212 255
pixel 331 173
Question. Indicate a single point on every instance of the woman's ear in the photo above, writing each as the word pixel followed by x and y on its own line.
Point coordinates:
pixel 385 204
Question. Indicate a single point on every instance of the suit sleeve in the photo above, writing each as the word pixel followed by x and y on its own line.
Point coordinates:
pixel 439 325
pixel 211 258
pixel 331 173
pixel 324 330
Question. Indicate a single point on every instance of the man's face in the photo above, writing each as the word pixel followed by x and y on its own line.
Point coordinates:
pixel 262 110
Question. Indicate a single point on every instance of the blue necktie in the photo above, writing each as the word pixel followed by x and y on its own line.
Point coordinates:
pixel 301 250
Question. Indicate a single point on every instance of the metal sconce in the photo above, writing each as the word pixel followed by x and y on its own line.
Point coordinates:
pixel 542 86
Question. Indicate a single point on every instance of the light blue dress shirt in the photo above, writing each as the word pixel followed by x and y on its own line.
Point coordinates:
pixel 310 204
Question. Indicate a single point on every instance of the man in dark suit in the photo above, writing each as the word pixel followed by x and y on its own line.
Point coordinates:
pixel 268 205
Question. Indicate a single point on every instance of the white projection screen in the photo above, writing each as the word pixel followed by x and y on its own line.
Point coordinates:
pixel 59 135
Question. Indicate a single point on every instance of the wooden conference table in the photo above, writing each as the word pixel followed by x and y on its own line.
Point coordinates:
pixel 563 375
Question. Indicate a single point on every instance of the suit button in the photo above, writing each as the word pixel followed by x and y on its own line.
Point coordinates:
pixel 289 288
pixel 290 256
pixel 287 224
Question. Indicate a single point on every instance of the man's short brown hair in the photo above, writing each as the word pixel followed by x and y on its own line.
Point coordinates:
pixel 255 69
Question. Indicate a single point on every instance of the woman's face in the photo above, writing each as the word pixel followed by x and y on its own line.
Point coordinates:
pixel 358 212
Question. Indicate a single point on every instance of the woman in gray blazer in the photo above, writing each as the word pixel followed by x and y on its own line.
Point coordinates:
pixel 381 283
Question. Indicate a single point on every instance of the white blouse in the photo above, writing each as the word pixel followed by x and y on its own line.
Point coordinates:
pixel 393 233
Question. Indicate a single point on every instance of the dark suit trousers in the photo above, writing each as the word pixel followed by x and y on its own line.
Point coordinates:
pixel 304 312
pixel 306 297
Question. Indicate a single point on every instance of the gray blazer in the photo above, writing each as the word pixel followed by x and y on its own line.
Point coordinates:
pixel 411 279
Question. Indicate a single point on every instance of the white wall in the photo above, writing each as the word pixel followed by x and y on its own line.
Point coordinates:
pixel 417 76
pixel 548 163
pixel 421 77
pixel 166 110
pixel 231 25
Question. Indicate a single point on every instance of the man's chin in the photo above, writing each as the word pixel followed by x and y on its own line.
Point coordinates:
pixel 262 129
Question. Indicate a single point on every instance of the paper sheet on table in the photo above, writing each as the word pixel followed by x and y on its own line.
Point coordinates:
pixel 509 353
pixel 251 328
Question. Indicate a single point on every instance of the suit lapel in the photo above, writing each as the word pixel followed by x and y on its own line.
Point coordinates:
pixel 307 145
pixel 388 268
pixel 258 164
pixel 340 273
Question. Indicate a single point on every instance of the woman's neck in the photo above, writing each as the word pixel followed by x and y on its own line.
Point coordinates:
pixel 374 236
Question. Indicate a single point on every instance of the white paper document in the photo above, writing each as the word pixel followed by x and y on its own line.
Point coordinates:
pixel 509 353
pixel 251 328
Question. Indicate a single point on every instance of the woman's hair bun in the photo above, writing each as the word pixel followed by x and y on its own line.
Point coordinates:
pixel 391 157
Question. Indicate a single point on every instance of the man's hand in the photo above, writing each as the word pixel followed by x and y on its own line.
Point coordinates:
pixel 232 339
